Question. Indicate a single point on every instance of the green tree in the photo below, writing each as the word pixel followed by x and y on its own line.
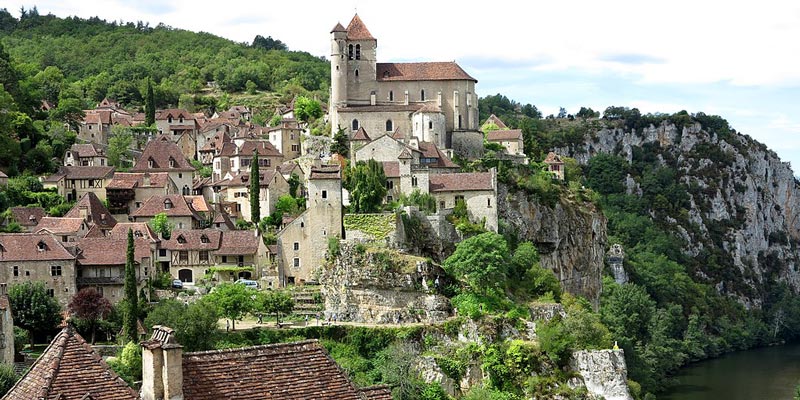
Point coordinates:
pixel 294 184
pixel 128 364
pixel 131 296
pixel 232 300
pixel 367 185
pixel 195 324
pixel 7 378
pixel 278 302
pixel 287 205
pixel 525 256
pixel 118 144
pixel 255 191
pixel 606 173
pixel 90 306
pixel 480 262
pixel 33 309
pixel 306 109
pixel 160 224
pixel 149 105
pixel 339 145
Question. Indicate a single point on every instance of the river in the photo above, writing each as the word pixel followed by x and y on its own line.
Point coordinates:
pixel 770 373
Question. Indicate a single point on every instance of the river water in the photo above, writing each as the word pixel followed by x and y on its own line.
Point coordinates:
pixel 770 373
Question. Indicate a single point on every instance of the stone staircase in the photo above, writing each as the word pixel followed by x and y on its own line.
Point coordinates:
pixel 307 301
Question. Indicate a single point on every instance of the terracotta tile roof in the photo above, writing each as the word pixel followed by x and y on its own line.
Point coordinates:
pixel 422 71
pixel 382 392
pixel 461 182
pixel 325 172
pixel 140 229
pixel 391 169
pixel 265 148
pixel 287 167
pixel 161 151
pixel 60 225
pixel 338 28
pixel 429 150
pixel 96 212
pixel 97 117
pixel 510 134
pixel 228 149
pixel 193 239
pixel 356 30
pixel 216 142
pixel 225 219
pixel 111 251
pixel 361 134
pixel 86 150
pixel 296 371
pixel 27 216
pixel 199 183
pixel 84 173
pixel 130 180
pixel 69 369
pixel 124 121
pixel 239 242
pixel 175 113
pixel 157 204
pixel 553 158
pixel 198 203
pixel 272 248
pixel 26 247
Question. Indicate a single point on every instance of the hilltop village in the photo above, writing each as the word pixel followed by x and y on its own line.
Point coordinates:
pixel 209 199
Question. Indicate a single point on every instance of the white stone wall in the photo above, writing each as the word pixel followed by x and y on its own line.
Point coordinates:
pixel 39 271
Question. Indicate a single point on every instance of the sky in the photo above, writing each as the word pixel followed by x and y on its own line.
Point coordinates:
pixel 737 59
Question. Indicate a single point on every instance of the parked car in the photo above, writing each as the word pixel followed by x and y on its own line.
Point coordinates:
pixel 177 284
pixel 249 283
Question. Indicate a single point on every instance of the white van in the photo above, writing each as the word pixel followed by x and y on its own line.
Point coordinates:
pixel 249 283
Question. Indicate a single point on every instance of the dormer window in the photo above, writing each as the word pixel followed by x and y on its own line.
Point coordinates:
pixel 41 246
pixel 171 162
pixel 204 239
pixel 137 233
pixel 169 119
pixel 167 204
pixel 180 120
pixel 150 162
pixel 386 75
pixel 181 239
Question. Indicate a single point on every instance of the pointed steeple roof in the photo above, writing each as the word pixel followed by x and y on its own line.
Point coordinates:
pixel 361 134
pixel 405 154
pixel 356 30
pixel 70 369
pixel 338 28
pixel 96 212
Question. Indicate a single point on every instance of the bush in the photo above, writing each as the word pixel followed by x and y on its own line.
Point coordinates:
pixel 128 363
pixel 162 281
pixel 7 378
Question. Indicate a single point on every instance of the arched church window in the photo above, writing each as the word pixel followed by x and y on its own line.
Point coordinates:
pixel 356 73
pixel 422 95
pixel 350 52
pixel 358 52
pixel 391 95
pixel 389 125
pixel 355 124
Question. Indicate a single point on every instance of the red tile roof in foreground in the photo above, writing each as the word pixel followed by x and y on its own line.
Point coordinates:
pixel 286 371
pixel 107 251
pixel 69 369
pixel 422 71
pixel 32 247
pixel 461 182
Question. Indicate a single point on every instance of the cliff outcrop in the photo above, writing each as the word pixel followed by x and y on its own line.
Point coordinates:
pixel 742 206
pixel 570 236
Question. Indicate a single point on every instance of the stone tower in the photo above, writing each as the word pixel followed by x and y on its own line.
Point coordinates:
pixel 338 71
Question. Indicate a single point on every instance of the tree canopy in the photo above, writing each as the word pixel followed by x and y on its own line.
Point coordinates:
pixel 367 185
pixel 33 308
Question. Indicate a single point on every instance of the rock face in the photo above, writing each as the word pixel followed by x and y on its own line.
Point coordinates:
pixel 382 286
pixel 603 372
pixel 570 237
pixel 744 202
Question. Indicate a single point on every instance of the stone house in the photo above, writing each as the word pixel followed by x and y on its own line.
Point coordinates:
pixel 95 126
pixel 178 209
pixel 233 159
pixel 555 165
pixel 67 230
pixel 213 136
pixel 297 371
pixel 286 137
pixel 92 211
pixel 478 190
pixel 85 155
pixel 244 248
pixel 303 242
pixel 494 120
pixel 70 369
pixel 74 182
pixel 29 257
pixel 188 253
pixel 181 127
pixel 236 192
pixel 162 155
pixel 128 191
pixel 101 263
pixel 434 101
pixel 510 139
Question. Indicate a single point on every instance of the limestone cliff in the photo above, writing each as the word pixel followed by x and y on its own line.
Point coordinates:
pixel 743 202
pixel 378 285
pixel 570 237
pixel 603 372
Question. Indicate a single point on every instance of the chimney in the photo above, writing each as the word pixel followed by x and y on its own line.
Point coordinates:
pixel 84 212
pixel 162 366
pixel 146 179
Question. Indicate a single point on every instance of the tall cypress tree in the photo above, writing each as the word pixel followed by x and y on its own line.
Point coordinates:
pixel 149 105
pixel 255 190
pixel 132 311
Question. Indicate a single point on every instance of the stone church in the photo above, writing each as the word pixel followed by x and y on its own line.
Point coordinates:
pixel 432 101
